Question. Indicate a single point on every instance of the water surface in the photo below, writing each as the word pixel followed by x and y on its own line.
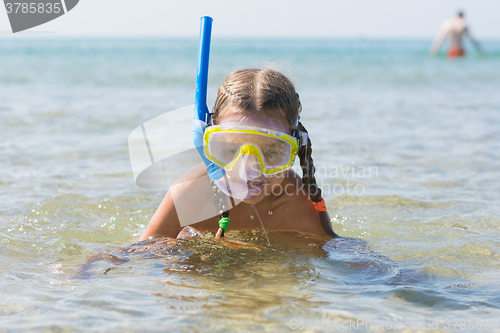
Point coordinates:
pixel 408 153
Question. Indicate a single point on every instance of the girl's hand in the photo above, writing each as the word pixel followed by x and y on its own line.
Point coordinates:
pixel 190 233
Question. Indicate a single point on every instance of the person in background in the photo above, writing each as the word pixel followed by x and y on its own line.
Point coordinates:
pixel 454 29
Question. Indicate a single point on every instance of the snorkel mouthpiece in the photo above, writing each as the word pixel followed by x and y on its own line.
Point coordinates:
pixel 236 190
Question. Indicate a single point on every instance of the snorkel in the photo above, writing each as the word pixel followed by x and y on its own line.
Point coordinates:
pixel 201 113
pixel 201 119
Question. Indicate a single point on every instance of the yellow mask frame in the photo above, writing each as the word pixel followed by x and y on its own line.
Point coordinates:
pixel 251 148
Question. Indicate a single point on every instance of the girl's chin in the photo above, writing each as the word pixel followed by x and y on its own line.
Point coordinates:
pixel 255 194
pixel 255 199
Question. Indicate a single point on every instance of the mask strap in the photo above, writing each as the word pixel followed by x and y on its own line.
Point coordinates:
pixel 301 135
pixel 210 121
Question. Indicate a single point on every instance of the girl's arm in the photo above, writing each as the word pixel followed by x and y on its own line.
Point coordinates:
pixel 188 201
pixel 165 222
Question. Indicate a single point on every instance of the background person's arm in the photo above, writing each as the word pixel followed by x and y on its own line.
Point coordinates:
pixel 474 41
pixel 438 41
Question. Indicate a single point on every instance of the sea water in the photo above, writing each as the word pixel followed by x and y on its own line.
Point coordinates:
pixel 407 150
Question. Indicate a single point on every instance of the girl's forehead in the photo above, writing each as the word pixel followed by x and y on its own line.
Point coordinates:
pixel 236 115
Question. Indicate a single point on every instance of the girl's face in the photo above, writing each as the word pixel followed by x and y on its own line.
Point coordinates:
pixel 261 186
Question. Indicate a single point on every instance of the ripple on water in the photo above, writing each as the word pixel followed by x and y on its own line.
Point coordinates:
pixel 443 184
pixel 386 201
pixel 426 298
pixel 116 220
pixel 64 248
pixel 7 309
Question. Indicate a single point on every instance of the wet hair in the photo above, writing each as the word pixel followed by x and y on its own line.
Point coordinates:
pixel 263 91
pixel 270 93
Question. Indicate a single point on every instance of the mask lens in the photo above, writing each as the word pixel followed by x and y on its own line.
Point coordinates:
pixel 223 151
pixel 276 153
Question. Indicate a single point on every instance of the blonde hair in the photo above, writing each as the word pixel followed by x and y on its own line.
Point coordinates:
pixel 264 91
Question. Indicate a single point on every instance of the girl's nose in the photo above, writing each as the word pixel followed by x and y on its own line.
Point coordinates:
pixel 248 167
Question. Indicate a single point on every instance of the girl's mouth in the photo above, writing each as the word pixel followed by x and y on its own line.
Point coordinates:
pixel 243 190
pixel 254 188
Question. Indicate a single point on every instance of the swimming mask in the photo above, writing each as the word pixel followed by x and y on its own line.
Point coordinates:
pixel 230 144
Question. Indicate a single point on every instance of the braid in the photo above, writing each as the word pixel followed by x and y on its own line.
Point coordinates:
pixel 309 181
pixel 307 165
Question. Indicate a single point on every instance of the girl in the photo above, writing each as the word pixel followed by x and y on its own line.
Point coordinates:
pixel 254 137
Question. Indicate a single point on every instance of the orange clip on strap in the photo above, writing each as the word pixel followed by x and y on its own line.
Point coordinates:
pixel 320 206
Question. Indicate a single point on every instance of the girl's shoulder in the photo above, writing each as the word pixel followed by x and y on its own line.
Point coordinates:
pixel 192 196
pixel 294 209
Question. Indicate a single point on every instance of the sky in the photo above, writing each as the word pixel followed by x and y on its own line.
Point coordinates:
pixel 270 18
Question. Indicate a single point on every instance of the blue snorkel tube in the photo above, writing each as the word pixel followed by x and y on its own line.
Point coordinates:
pixel 201 113
pixel 201 119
